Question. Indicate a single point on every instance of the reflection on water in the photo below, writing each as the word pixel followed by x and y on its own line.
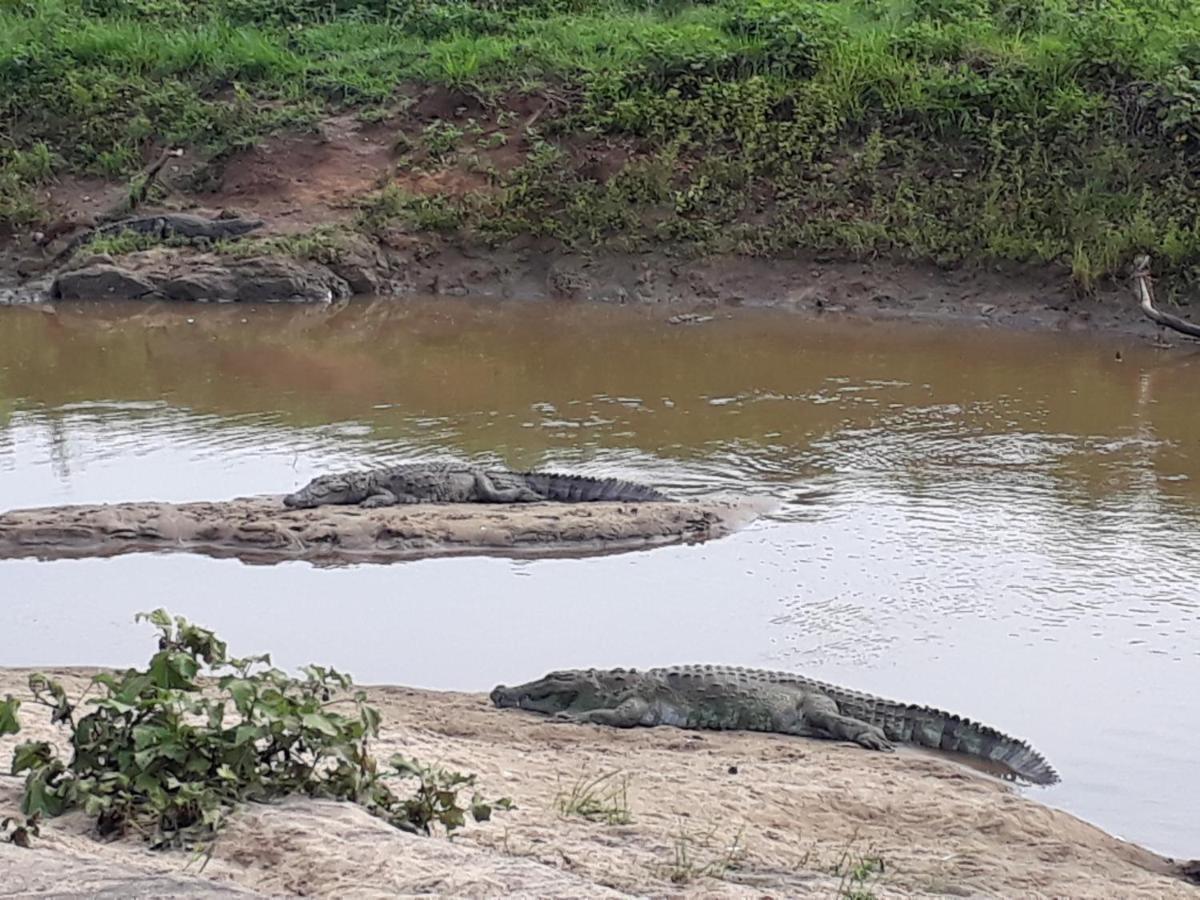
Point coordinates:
pixel 997 524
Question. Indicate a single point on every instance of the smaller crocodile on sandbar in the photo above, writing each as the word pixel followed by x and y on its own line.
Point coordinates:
pixel 452 483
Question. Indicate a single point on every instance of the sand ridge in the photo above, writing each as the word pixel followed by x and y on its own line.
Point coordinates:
pixel 262 530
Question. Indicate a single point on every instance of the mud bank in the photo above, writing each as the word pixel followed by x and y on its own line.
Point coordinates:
pixel 260 530
pixel 689 288
pixel 711 814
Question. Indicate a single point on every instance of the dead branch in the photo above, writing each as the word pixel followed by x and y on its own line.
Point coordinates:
pixel 1143 286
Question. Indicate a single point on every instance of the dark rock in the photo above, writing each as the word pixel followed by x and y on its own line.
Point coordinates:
pixel 102 280
pixel 276 280
pixel 362 266
pixel 211 283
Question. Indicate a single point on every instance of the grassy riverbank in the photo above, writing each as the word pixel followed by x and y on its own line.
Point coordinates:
pixel 1040 131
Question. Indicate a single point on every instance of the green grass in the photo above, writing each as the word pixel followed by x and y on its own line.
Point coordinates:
pixel 1038 131
pixel 600 798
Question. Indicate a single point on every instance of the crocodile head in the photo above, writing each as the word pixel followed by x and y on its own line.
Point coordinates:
pixel 564 690
pixel 240 225
pixel 327 489
pixel 554 693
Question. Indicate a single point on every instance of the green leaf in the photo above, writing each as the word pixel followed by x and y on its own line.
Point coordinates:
pixel 148 735
pixel 243 691
pixel 320 723
pixel 9 723
pixel 245 734
pixel 370 720
pixel 159 617
pixel 480 811
pixel 40 798
pixel 31 755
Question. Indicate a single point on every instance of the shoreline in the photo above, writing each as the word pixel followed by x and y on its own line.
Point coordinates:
pixel 690 289
pixel 753 815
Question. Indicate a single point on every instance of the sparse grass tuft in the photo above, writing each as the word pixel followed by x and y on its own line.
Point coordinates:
pixel 603 798
pixel 857 871
pixel 694 857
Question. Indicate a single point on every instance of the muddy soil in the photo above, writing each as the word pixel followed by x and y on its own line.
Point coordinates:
pixel 709 814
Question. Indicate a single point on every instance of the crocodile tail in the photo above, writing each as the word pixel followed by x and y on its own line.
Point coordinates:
pixel 927 727
pixel 582 489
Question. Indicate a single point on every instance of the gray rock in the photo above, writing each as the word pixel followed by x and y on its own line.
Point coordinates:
pixel 211 283
pixel 276 280
pixel 362 266
pixel 102 281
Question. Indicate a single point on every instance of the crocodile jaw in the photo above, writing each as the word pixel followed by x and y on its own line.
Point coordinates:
pixel 536 696
pixel 325 490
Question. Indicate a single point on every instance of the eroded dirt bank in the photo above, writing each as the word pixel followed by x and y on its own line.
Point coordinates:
pixel 711 815
pixel 317 244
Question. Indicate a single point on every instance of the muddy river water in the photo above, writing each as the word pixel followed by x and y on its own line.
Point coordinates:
pixel 1004 525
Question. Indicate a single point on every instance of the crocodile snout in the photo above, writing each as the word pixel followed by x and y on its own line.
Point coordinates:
pixel 501 696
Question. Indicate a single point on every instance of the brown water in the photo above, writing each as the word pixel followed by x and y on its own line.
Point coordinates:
pixel 1008 526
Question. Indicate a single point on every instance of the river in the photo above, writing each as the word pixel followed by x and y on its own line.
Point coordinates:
pixel 1004 525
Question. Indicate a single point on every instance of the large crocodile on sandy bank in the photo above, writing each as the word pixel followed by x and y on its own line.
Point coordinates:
pixel 449 483
pixel 734 698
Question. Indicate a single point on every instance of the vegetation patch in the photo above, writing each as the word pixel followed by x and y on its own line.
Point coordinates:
pixel 694 857
pixel 167 756
pixel 1046 131
pixel 601 798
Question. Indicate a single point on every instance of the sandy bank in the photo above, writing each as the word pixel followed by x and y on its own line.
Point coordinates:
pixel 261 530
pixel 801 812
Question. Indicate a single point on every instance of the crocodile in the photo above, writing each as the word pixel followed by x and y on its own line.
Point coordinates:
pixel 185 226
pixel 731 698
pixel 449 483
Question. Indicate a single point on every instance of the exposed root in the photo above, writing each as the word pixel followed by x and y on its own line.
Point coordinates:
pixel 1144 288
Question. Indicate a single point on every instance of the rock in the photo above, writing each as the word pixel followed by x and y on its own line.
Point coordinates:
pixel 361 266
pixel 269 279
pixel 211 283
pixel 28 266
pixel 266 279
pixel 102 281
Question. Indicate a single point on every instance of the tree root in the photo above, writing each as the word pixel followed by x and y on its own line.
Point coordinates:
pixel 1144 290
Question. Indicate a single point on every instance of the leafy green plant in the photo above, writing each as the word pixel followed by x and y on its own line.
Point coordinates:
pixel 601 798
pixel 167 753
pixel 441 139
pixel 9 723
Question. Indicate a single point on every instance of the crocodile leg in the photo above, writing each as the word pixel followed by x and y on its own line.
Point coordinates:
pixel 488 492
pixel 380 498
pixel 820 711
pixel 628 714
